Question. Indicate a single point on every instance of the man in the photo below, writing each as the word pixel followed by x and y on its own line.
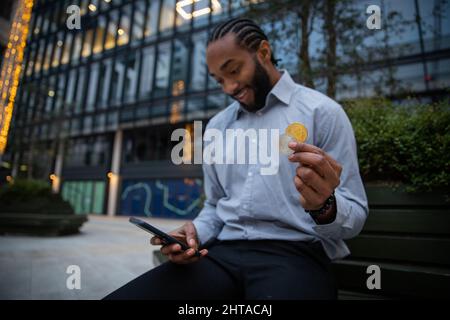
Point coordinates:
pixel 265 236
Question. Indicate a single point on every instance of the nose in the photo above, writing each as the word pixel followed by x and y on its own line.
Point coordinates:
pixel 230 87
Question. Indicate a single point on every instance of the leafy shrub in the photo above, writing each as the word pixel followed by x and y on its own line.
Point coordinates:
pixel 409 144
pixel 32 196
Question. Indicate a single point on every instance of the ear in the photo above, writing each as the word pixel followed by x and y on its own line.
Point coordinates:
pixel 264 52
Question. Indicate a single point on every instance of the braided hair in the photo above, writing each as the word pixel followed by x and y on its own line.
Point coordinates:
pixel 248 34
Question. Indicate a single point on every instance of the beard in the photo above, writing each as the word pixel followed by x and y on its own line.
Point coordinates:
pixel 260 86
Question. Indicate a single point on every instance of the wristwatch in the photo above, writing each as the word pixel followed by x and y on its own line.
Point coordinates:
pixel 327 205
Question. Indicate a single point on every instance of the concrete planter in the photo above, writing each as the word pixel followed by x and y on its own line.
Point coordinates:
pixel 41 224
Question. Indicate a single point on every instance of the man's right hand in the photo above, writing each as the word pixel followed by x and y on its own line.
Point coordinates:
pixel 186 233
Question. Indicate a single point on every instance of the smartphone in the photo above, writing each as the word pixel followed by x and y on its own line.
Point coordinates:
pixel 167 239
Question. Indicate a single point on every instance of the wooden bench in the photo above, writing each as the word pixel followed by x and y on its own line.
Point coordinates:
pixel 408 238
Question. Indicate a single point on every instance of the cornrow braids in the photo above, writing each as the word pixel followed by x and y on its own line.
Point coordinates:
pixel 249 35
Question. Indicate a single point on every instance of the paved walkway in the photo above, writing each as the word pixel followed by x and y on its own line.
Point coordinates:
pixel 109 251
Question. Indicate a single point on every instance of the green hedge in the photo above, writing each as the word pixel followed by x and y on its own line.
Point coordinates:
pixel 32 196
pixel 408 144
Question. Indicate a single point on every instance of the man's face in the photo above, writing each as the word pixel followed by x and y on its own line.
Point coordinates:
pixel 239 72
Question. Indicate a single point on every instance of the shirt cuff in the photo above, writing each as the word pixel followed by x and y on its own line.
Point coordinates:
pixel 334 230
pixel 205 231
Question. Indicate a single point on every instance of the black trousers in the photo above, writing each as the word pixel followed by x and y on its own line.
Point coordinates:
pixel 259 269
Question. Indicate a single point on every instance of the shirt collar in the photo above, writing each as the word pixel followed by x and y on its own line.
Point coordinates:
pixel 282 91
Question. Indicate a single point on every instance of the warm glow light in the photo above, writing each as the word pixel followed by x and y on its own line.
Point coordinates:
pixel 6 165
pixel 12 67
pixel 175 115
pixel 55 182
pixel 51 93
pixel 120 32
pixel 92 7
pixel 110 175
pixel 107 1
pixel 59 43
pixel 187 16
pixel 23 167
pixel 9 179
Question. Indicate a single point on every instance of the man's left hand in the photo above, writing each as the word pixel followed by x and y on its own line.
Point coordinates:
pixel 317 175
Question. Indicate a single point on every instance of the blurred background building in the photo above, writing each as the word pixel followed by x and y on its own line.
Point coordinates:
pixel 96 106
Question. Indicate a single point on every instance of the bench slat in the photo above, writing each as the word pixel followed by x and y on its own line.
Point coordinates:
pixel 396 280
pixel 428 250
pixel 420 221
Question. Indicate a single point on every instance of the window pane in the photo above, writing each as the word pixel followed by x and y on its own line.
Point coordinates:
pixel 48 53
pixel 59 92
pixel 87 124
pixel 33 52
pixel 50 95
pixel 180 65
pixel 151 23
pixel 237 8
pixel 38 26
pixel 58 50
pixel 162 69
pixel 198 64
pixel 80 90
pixel 195 108
pixel 138 22
pixel 124 30
pixel 176 111
pixel 90 151
pixel 46 23
pixel 87 46
pixel 84 7
pixel 167 17
pixel 87 198
pixel 75 126
pixel 220 8
pixel 92 87
pixel 70 106
pixel 77 46
pixel 146 81
pixel 99 34
pixel 99 196
pixel 105 80
pixel 110 41
pixel 66 50
pixel 111 120
pixel 131 77
pixel 215 101
pixel 40 57
pixel 117 80
pixel 99 122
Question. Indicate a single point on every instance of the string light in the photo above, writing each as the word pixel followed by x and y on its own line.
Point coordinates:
pixel 12 67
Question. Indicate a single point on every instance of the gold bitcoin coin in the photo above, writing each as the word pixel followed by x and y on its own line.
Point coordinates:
pixel 297 131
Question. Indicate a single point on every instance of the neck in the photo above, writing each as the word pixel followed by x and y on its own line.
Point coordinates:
pixel 274 75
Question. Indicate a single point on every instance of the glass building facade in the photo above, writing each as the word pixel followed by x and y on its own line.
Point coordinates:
pixel 97 105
